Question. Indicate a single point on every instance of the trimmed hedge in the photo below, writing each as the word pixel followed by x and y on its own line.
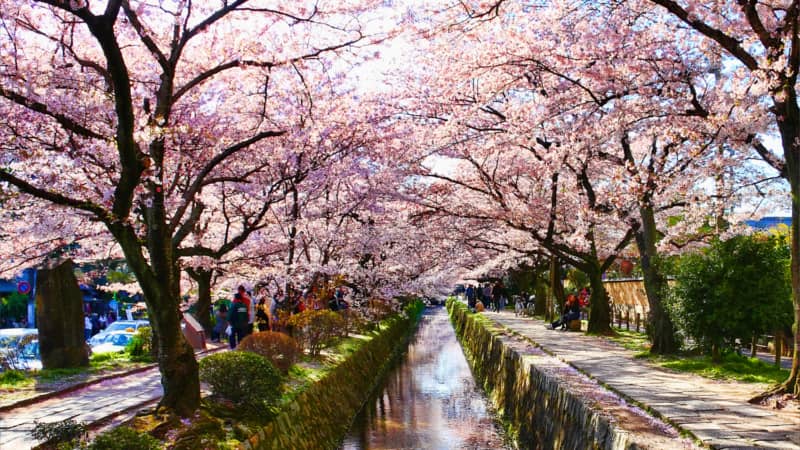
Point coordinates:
pixel 248 380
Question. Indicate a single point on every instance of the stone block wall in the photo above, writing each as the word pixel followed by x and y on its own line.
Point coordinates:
pixel 543 402
pixel 321 415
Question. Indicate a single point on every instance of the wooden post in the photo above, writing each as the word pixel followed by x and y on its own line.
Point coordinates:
pixel 778 336
pixel 628 320
pixel 638 320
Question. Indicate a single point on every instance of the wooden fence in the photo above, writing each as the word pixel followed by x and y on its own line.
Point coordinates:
pixel 629 306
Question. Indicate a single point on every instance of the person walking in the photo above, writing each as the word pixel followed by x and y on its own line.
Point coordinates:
pixel 498 301
pixel 487 295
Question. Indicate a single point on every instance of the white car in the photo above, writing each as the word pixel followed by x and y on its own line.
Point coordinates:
pixel 126 325
pixel 19 349
pixel 10 337
pixel 114 341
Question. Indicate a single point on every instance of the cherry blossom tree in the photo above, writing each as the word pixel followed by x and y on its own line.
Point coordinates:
pixel 760 42
pixel 127 113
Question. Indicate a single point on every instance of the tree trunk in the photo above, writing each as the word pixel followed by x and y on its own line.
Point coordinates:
pixel 716 357
pixel 754 346
pixel 556 296
pixel 778 347
pixel 177 363
pixel 159 278
pixel 203 278
pixel 660 329
pixel 600 309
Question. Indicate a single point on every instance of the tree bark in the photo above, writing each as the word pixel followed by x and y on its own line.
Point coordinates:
pixel 660 329
pixel 556 296
pixel 600 309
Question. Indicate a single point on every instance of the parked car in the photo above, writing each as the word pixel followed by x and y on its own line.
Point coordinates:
pixel 19 349
pixel 126 325
pixel 114 341
pixel 29 356
pixel 11 337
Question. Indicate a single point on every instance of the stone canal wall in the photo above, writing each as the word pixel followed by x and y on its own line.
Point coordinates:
pixel 320 416
pixel 543 402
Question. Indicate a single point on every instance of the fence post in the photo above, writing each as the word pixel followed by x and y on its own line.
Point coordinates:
pixel 637 322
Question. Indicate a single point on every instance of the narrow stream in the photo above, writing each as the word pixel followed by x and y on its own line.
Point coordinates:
pixel 429 400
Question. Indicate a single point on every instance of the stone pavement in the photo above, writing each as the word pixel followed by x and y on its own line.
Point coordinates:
pixel 716 412
pixel 92 403
pixel 89 404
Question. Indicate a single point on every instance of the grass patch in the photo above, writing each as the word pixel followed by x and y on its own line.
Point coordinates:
pixel 14 379
pixel 632 340
pixel 733 367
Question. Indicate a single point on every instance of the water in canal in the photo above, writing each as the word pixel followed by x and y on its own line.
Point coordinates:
pixel 429 400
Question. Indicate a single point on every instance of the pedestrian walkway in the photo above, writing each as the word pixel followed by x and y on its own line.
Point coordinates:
pixel 89 404
pixel 716 412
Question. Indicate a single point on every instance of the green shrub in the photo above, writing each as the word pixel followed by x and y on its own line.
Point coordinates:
pixel 12 377
pixel 141 346
pixel 280 349
pixel 58 432
pixel 736 289
pixel 248 380
pixel 124 438
pixel 315 330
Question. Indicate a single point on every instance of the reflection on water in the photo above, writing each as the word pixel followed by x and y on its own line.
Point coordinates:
pixel 429 400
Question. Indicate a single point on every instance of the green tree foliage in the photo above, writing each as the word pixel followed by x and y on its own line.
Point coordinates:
pixel 735 289
pixel 141 346
pixel 14 306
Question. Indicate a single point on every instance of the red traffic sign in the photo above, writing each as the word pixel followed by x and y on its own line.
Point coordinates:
pixel 23 287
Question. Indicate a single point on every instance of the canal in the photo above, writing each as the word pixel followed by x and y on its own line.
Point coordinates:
pixel 429 399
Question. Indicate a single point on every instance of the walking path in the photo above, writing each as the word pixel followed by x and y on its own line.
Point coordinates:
pixel 90 404
pixel 716 412
pixel 93 403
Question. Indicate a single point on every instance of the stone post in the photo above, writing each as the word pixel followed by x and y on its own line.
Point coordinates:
pixel 59 314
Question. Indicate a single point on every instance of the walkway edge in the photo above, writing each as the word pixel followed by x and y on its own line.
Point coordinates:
pixel 83 384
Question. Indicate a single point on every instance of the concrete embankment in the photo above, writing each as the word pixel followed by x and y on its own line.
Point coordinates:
pixel 544 402
pixel 320 416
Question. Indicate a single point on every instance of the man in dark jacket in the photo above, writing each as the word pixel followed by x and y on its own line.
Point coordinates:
pixel 238 317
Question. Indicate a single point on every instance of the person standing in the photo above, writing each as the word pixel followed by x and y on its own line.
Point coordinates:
pixel 237 318
pixel 470 293
pixel 498 301
pixel 221 323
pixel 262 318
pixel 487 295
pixel 87 327
pixel 251 312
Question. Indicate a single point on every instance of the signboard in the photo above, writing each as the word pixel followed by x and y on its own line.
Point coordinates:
pixel 23 287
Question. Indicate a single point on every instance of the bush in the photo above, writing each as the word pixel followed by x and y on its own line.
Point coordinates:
pixel 248 380
pixel 12 376
pixel 58 432
pixel 315 330
pixel 124 438
pixel 141 346
pixel 280 349
pixel 737 288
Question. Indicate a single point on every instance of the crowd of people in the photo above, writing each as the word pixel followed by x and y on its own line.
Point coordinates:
pixel 246 314
pixel 492 294
pixel 94 323
pixel 495 296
